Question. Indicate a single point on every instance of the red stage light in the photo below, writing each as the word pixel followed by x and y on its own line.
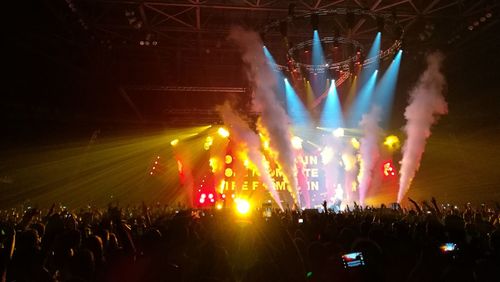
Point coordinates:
pixel 388 169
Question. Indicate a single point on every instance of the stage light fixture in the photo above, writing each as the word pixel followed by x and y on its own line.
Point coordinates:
pixel 315 21
pixel 296 142
pixel 262 37
pixel 133 20
pixel 242 206
pixel 392 142
pixel 339 132
pixel 380 24
pixel 223 132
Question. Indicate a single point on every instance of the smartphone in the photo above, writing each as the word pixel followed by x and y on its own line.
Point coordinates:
pixel 301 220
pixel 448 247
pixel 354 259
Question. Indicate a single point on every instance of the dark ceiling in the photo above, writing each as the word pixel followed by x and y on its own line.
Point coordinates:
pixel 80 63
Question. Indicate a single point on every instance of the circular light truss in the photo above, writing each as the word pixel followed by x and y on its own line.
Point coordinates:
pixel 344 65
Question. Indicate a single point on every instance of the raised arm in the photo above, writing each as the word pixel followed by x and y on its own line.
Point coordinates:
pixel 417 207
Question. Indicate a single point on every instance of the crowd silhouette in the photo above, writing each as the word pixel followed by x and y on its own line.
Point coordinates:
pixel 162 243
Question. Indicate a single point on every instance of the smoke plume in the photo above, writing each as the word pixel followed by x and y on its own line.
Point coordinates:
pixel 369 149
pixel 426 104
pixel 242 135
pixel 273 116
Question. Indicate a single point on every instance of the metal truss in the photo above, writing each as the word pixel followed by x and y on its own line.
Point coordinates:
pixel 186 89
pixel 170 18
pixel 194 32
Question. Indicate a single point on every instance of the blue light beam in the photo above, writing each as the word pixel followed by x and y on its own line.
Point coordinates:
pixel 297 112
pixel 384 92
pixel 331 117
pixel 363 100
pixel 318 77
pixel 278 75
pixel 368 70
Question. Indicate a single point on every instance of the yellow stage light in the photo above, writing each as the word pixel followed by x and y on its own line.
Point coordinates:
pixel 218 206
pixel 392 142
pixel 223 132
pixel 355 143
pixel 242 206
pixel 208 142
pixel 214 164
pixel 174 142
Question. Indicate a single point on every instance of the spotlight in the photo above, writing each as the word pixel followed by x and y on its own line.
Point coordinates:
pixel 149 40
pixel 223 132
pixel 380 24
pixel 133 20
pixel 296 142
pixel 174 142
pixel 392 142
pixel 262 36
pixel 242 206
pixel 339 132
pixel 315 21
pixel 355 143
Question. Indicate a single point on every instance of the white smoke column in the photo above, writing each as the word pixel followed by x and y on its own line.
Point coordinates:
pixel 350 171
pixel 245 137
pixel 330 164
pixel 273 116
pixel 426 104
pixel 369 149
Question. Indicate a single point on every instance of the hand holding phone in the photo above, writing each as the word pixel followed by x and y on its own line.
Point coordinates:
pixel 354 259
pixel 448 247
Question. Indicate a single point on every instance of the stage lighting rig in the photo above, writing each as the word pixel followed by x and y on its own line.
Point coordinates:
pixel 349 59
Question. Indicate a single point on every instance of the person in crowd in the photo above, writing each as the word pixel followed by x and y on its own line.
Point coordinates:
pixel 427 242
